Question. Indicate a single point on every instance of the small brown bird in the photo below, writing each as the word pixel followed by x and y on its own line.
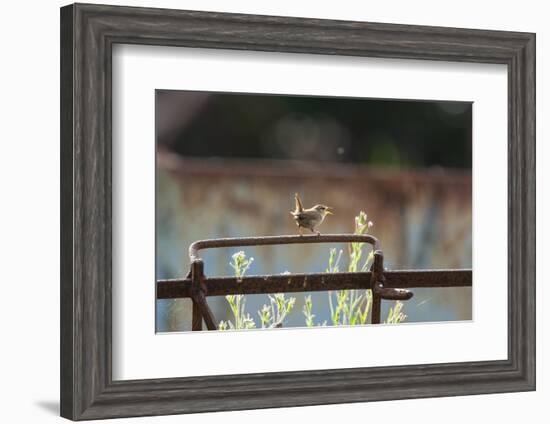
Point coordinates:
pixel 309 218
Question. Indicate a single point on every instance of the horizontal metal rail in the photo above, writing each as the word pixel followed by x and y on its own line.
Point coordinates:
pixel 271 240
pixel 265 284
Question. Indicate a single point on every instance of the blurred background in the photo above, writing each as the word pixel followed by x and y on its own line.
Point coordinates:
pixel 228 165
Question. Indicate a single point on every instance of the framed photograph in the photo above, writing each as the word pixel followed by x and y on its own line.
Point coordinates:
pixel 265 211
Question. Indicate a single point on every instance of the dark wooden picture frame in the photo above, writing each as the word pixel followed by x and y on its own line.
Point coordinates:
pixel 88 33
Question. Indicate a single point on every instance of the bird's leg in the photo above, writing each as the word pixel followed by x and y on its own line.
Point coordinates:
pixel 300 230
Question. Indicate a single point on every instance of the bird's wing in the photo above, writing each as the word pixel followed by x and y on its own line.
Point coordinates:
pixel 308 218
pixel 299 207
pixel 309 215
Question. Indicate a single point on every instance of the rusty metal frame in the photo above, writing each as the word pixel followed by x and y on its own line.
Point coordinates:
pixel 385 285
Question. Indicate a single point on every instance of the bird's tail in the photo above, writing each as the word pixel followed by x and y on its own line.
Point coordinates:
pixel 299 207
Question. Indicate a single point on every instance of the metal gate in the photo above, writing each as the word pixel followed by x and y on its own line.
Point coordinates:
pixel 385 285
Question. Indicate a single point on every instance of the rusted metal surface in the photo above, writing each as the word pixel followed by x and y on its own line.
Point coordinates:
pixel 196 320
pixel 199 300
pixel 186 167
pixel 197 294
pixel 377 280
pixel 294 283
pixel 198 289
pixel 387 285
pixel 277 240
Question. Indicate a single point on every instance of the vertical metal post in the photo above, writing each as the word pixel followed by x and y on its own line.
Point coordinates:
pixel 377 270
pixel 197 270
pixel 376 306
pixel 200 307
pixel 196 323
pixel 209 320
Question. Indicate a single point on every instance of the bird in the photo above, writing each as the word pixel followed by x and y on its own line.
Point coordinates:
pixel 309 218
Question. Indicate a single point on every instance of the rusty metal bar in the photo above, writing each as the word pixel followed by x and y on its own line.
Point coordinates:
pixel 196 320
pixel 271 240
pixel 376 284
pixel 199 301
pixel 390 293
pixel 264 284
pixel 196 273
pixel 198 295
pixel 388 285
pixel 376 308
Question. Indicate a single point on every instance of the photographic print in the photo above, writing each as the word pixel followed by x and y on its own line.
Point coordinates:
pixel 239 165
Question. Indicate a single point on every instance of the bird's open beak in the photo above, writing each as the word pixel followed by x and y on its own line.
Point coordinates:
pixel 329 211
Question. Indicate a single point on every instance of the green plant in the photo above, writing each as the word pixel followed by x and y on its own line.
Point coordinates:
pixel 271 316
pixel 265 316
pixel 241 320
pixel 240 263
pixel 334 261
pixel 347 307
pixel 308 311
pixel 352 307
pixel 279 309
pixel 362 225
pixel 395 314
